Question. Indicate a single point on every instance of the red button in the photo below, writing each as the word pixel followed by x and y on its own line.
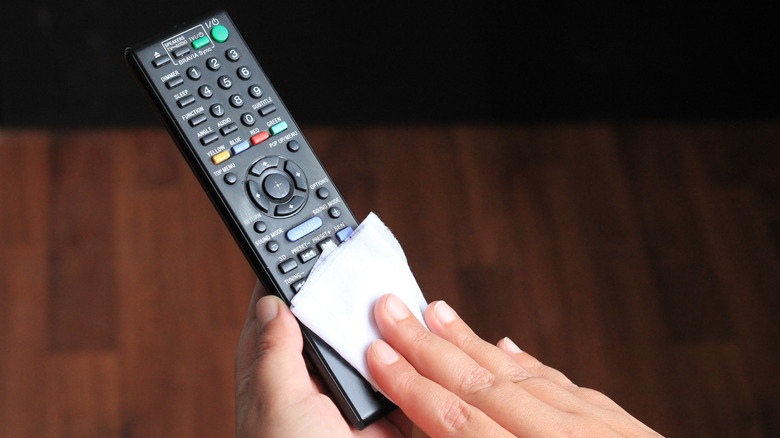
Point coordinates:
pixel 259 137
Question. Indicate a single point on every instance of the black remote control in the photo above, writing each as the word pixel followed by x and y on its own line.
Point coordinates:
pixel 258 169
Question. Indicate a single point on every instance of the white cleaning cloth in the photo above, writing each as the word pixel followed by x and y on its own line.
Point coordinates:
pixel 337 300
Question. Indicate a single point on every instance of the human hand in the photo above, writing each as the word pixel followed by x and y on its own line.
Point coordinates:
pixel 275 396
pixel 451 383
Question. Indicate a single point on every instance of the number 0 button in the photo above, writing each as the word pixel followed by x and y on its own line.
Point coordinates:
pixel 247 119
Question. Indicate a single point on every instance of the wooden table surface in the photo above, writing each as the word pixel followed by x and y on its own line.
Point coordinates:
pixel 640 259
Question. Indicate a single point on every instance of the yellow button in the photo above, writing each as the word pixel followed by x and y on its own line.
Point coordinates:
pixel 220 157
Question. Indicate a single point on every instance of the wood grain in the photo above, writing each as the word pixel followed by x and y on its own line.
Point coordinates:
pixel 641 259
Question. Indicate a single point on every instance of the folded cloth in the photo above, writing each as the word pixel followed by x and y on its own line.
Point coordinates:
pixel 337 301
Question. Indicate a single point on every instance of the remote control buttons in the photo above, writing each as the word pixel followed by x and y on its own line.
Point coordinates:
pixel 258 138
pixel 217 110
pixel 205 91
pixel 194 73
pixel 224 82
pixel 264 164
pixel 174 82
pixel 232 54
pixel 300 231
pixel 307 255
pixel 290 207
pixel 231 178
pixel 287 266
pixel 253 188
pixel 260 227
pixel 255 91
pixel 160 61
pixel 272 246
pixel 181 51
pixel 201 42
pixel 247 119
pixel 277 186
pixel 213 64
pixel 268 109
pixel 220 33
pixel 277 128
pixel 227 129
pixel 244 73
pixel 236 101
pixel 344 234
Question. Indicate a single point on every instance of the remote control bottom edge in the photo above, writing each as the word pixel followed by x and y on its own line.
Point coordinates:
pixel 358 401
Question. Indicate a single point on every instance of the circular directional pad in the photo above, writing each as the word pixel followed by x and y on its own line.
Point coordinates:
pixel 277 186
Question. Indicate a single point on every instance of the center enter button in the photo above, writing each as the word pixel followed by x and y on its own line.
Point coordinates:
pixel 277 186
pixel 303 229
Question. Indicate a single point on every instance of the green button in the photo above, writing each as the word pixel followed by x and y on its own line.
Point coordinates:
pixel 279 127
pixel 200 42
pixel 220 33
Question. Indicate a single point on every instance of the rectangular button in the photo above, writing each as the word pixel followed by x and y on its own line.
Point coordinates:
pixel 160 61
pixel 200 42
pixel 309 226
pixel 287 266
pixel 211 138
pixel 344 234
pixel 197 120
pixel 185 101
pixel 277 128
pixel 220 157
pixel 307 255
pixel 298 285
pixel 175 82
pixel 322 244
pixel 259 137
pixel 241 147
pixel 181 51
pixel 268 109
pixel 227 129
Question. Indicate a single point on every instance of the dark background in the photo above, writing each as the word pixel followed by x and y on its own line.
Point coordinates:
pixel 357 62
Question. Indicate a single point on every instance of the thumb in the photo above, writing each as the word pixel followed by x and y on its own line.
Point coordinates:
pixel 271 370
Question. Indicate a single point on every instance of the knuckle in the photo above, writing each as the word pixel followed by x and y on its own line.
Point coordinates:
pixel 420 338
pixel 475 379
pixel 516 374
pixel 593 397
pixel 455 416
pixel 467 341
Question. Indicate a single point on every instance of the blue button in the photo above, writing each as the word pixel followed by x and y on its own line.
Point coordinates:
pixel 241 147
pixel 303 229
pixel 343 234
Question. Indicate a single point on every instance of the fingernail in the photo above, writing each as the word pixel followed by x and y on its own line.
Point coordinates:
pixel 267 309
pixel 385 353
pixel 444 312
pixel 511 346
pixel 396 308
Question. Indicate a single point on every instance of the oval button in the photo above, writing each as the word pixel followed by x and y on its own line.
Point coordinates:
pixel 303 229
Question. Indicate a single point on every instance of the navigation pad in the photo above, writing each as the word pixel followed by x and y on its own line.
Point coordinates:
pixel 277 186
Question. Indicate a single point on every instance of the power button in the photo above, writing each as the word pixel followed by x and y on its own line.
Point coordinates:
pixel 220 33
